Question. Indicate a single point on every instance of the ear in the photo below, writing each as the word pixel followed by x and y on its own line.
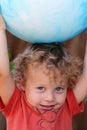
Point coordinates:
pixel 22 82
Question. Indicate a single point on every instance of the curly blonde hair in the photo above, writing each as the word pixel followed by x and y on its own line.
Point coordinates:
pixel 54 56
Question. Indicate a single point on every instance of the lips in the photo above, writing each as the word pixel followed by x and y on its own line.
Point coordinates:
pixel 47 107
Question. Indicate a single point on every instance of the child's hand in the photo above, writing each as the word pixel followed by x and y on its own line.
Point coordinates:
pixel 2 23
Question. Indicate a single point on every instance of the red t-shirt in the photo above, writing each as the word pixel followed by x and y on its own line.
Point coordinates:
pixel 21 115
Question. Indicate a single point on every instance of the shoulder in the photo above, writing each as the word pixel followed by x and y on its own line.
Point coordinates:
pixel 13 102
pixel 72 103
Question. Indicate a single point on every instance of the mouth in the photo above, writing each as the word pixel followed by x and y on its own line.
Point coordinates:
pixel 47 107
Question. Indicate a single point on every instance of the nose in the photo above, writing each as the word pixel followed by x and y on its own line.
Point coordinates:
pixel 49 97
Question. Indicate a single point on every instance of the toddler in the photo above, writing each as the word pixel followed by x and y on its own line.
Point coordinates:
pixel 45 89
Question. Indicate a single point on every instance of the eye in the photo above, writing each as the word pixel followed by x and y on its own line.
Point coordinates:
pixel 59 89
pixel 41 88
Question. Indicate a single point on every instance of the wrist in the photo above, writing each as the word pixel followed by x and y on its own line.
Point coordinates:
pixel 2 28
pixel 2 24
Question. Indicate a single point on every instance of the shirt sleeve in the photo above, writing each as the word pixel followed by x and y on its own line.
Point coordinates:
pixel 74 107
pixel 6 110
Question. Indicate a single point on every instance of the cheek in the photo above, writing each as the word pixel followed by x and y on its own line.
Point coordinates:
pixel 33 98
pixel 61 98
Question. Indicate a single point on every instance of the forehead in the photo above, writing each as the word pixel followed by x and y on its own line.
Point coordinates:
pixel 45 74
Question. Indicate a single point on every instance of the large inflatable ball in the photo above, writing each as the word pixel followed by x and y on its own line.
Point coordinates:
pixel 44 20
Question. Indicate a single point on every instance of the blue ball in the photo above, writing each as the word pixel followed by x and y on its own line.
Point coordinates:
pixel 44 20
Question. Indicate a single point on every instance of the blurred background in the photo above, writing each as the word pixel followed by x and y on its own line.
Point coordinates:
pixel 75 46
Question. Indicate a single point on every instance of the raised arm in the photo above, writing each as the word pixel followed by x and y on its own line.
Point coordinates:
pixel 80 89
pixel 6 81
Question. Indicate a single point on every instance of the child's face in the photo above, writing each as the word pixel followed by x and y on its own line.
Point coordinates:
pixel 43 93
